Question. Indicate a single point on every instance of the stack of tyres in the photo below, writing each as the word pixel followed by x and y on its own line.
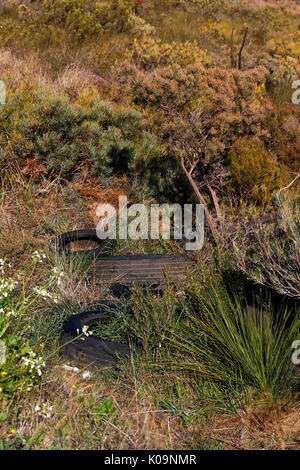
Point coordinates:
pixel 143 270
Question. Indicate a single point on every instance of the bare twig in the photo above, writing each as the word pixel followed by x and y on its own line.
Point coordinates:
pixel 208 215
pixel 233 64
pixel 241 49
pixel 289 185
pixel 216 202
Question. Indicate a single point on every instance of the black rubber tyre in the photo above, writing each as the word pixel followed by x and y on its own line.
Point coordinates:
pixel 125 270
pixel 91 349
pixel 141 269
pixel 62 241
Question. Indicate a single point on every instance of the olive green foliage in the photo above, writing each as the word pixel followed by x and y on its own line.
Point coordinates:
pixel 56 22
pixel 153 319
pixel 187 84
pixel 63 135
pixel 253 169
pixel 102 89
pixel 22 364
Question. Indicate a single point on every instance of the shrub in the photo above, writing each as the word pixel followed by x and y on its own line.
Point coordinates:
pixel 253 169
pixel 149 53
pixel 212 114
pixel 228 341
pixel 201 112
pixel 271 256
pixel 56 22
pixel 63 136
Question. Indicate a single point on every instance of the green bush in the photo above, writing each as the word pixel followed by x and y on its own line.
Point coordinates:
pixel 63 136
pixel 150 53
pixel 253 169
pixel 56 22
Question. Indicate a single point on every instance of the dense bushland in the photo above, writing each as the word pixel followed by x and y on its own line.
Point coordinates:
pixel 88 133
pixel 219 107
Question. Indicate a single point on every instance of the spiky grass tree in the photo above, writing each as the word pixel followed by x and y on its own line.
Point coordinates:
pixel 228 340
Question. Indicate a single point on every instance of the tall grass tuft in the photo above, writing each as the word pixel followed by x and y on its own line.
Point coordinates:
pixel 226 339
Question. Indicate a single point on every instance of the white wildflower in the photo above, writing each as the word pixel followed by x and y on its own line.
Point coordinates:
pixel 45 411
pixel 86 374
pixel 45 294
pixel 38 256
pixel 11 313
pixel 60 274
pixel 34 364
pixel 85 330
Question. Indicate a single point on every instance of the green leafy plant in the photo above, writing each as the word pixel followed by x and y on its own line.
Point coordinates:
pixel 93 134
pixel 106 408
pixel 22 367
pixel 153 318
pixel 253 169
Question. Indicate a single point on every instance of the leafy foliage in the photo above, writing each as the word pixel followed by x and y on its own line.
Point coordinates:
pixel 205 112
pixel 253 169
pixel 57 21
pixel 153 319
pixel 91 132
pixel 22 367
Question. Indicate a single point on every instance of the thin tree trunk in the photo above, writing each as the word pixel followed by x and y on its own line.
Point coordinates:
pixel 208 215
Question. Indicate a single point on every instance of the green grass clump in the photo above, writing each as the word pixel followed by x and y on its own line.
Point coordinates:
pixel 227 339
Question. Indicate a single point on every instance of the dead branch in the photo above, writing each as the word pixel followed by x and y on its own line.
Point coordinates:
pixel 289 185
pixel 241 49
pixel 233 62
pixel 209 218
pixel 216 202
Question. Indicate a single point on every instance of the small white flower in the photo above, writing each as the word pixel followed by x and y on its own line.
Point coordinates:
pixel 85 330
pixel 38 256
pixel 86 374
pixel 34 364
pixel 44 411
pixel 45 294
pixel 11 313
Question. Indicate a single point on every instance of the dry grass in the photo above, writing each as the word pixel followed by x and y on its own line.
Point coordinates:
pixel 94 193
pixel 134 421
pixel 145 411
pixel 27 210
pixel 71 79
